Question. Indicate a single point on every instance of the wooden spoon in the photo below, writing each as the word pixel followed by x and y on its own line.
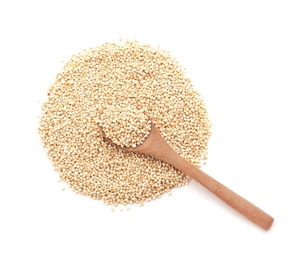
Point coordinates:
pixel 154 145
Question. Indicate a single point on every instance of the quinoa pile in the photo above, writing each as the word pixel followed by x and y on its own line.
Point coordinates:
pixel 125 125
pixel 121 73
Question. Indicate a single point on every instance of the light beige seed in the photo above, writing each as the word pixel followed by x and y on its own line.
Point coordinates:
pixel 133 74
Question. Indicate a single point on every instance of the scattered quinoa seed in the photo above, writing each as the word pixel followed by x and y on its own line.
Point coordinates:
pixel 132 74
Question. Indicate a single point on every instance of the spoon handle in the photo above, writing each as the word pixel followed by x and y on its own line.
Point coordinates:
pixel 234 200
pixel 163 151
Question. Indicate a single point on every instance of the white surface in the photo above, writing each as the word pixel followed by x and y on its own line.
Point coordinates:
pixel 248 59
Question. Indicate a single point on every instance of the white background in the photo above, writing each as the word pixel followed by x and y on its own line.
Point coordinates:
pixel 248 59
